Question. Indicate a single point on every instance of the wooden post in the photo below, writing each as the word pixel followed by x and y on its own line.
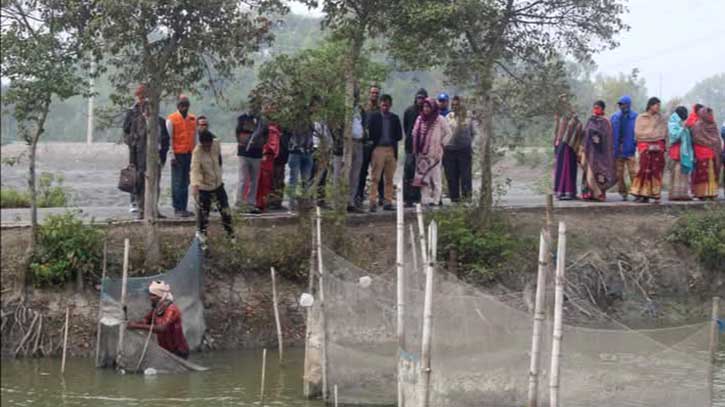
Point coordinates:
pixel 413 249
pixel 65 340
pixel 421 231
pixel 558 306
pixel 264 371
pixel 714 339
pixel 550 272
pixel 428 316
pixel 538 320
pixel 400 241
pixel 323 321
pixel 335 390
pixel 306 391
pixel 280 343
pixel 124 283
pixel 100 301
pixel 89 128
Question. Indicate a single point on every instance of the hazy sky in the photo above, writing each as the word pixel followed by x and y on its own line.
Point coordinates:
pixel 679 41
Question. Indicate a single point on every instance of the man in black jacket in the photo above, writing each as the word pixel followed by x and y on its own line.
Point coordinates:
pixel 411 194
pixel 385 133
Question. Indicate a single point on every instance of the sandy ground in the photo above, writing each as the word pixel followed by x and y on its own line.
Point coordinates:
pixel 90 173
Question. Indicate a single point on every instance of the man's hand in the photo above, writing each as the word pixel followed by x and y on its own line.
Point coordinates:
pixel 195 191
pixel 133 325
pixel 172 158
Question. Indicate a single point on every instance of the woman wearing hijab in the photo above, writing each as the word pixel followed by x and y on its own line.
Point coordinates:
pixel 708 149
pixel 650 131
pixel 598 156
pixel 567 139
pixel 430 133
pixel 681 155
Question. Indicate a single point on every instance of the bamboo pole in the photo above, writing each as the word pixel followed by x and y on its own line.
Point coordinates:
pixel 428 315
pixel 323 321
pixel 335 391
pixel 538 320
pixel 714 339
pixel 421 231
pixel 65 340
pixel 558 306
pixel 124 288
pixel 306 391
pixel 264 371
pixel 413 249
pixel 100 300
pixel 280 343
pixel 400 241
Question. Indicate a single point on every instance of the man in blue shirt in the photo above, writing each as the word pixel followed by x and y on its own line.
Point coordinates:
pixel 624 143
pixel 443 108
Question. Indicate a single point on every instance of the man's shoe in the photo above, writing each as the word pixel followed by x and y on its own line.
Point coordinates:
pixel 373 208
pixel 254 211
pixel 388 207
pixel 133 208
pixel 183 214
pixel 408 205
pixel 160 216
pixel 354 209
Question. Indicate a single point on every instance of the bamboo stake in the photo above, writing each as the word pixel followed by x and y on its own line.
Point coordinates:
pixel 400 229
pixel 264 371
pixel 100 300
pixel 421 231
pixel 65 340
pixel 124 288
pixel 558 305
pixel 323 321
pixel 714 339
pixel 428 315
pixel 335 390
pixel 413 249
pixel 538 320
pixel 280 343
pixel 308 318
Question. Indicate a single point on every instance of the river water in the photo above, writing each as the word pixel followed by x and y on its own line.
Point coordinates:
pixel 233 380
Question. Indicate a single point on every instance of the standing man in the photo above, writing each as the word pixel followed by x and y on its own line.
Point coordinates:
pixel 206 180
pixel 299 162
pixel 358 133
pixel 624 144
pixel 370 107
pixel 385 133
pixel 443 104
pixel 134 134
pixel 251 135
pixel 458 153
pixel 411 194
pixel 181 126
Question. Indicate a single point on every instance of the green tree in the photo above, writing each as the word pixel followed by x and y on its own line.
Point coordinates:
pixel 177 45
pixel 478 42
pixel 41 55
pixel 709 92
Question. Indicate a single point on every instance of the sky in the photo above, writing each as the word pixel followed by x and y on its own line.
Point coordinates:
pixel 674 43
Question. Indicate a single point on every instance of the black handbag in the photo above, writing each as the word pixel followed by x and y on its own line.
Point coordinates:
pixel 127 179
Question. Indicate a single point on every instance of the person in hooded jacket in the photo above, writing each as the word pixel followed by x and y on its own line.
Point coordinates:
pixel 624 143
pixel 411 194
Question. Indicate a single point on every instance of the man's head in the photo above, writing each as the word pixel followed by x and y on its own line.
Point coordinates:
pixel 624 103
pixel 653 105
pixel 159 290
pixel 442 101
pixel 456 103
pixel 202 124
pixel 140 94
pixel 374 94
pixel 598 108
pixel 386 102
pixel 420 97
pixel 206 139
pixel 183 104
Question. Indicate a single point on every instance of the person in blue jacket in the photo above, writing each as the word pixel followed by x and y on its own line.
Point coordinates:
pixel 624 143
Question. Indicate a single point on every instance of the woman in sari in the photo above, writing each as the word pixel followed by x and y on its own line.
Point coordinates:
pixel 598 156
pixel 430 133
pixel 650 131
pixel 681 155
pixel 567 138
pixel 708 149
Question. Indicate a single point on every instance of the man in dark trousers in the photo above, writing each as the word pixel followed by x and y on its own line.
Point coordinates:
pixel 385 133
pixel 370 107
pixel 411 194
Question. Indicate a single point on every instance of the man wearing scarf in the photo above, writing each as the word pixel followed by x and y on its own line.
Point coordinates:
pixel 681 155
pixel 164 320
pixel 598 157
pixel 567 139
pixel 430 133
pixel 411 194
pixel 708 150
pixel 650 131
pixel 624 143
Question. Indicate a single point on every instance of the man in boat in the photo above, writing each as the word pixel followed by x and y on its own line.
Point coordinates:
pixel 164 320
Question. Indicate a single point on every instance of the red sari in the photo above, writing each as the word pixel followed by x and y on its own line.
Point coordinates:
pixel 266 167
pixel 708 148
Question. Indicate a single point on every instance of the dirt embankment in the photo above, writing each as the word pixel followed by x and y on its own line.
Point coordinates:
pixel 660 283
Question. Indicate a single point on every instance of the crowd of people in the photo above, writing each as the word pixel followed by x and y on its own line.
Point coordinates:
pixel 275 162
pixel 635 146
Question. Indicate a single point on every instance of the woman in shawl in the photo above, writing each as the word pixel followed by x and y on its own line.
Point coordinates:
pixel 567 138
pixel 598 156
pixel 430 133
pixel 650 131
pixel 708 148
pixel 681 155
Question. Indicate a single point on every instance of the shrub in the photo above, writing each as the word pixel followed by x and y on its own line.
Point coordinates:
pixel 50 194
pixel 12 198
pixel 483 255
pixel 704 233
pixel 66 246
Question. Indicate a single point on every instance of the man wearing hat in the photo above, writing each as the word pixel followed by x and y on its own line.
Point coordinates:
pixel 443 100
pixel 181 126
pixel 164 320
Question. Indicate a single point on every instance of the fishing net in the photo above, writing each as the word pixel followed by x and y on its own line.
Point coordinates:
pixel 186 281
pixel 481 346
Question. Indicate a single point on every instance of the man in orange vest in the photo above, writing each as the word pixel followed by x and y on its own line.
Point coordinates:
pixel 181 126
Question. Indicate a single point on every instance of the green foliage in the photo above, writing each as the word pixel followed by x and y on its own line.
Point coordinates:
pixel 710 92
pixel 704 233
pixel 66 246
pixel 51 194
pixel 483 255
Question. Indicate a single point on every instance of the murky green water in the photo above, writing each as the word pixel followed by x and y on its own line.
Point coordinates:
pixel 233 380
